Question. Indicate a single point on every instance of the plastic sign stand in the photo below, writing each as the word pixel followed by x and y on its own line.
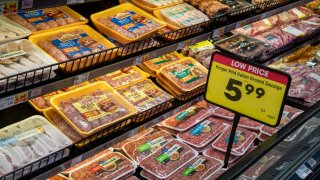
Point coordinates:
pixel 247 89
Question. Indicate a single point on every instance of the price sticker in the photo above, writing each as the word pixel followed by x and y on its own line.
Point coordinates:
pixel 241 24
pixel 81 78
pixel 74 1
pixel 251 90
pixel 8 7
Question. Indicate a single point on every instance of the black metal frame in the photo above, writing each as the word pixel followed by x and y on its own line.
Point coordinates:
pixel 40 76
pixel 102 136
pixel 247 161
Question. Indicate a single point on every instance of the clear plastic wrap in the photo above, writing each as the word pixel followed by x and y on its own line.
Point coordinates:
pixel 249 124
pixel 288 114
pixel 241 45
pixel 168 159
pixel 144 94
pixel 124 76
pixel 11 31
pixel 42 103
pixel 188 117
pixel 242 141
pixel 21 56
pixel 204 132
pixel 48 19
pixel 132 178
pixel 180 16
pixel 262 137
pixel 211 152
pixel 185 74
pixel 146 145
pixel 111 165
pixel 91 108
pixel 163 128
pixel 145 174
pixel 61 124
pixel 27 141
pixel 223 113
pixel 263 164
pixel 201 51
pixel 199 168
pixel 139 135
pixel 155 64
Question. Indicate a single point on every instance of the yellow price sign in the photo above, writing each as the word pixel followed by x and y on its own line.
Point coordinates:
pixel 252 90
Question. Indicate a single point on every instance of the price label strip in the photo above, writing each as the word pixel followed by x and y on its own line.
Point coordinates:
pixel 251 90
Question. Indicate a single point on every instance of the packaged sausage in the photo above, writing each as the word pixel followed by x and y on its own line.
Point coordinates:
pixel 123 76
pixel 21 56
pixel 218 173
pixel 126 23
pixel 153 65
pixel 152 5
pixel 42 103
pixel 199 168
pixel 289 113
pixel 203 133
pixel 58 177
pixel 132 178
pixel 180 16
pixel 139 135
pixel 211 7
pixel 143 147
pixel 48 19
pixel 28 141
pixel 249 124
pixel 91 108
pixel 243 46
pixel 163 128
pixel 262 137
pixel 75 42
pixel 201 51
pixel 144 94
pixel 223 113
pixel 185 74
pixel 242 141
pixel 61 124
pixel 11 31
pixel 86 161
pixel 111 165
pixel 262 165
pixel 187 118
pixel 145 174
pixel 211 152
pixel 168 159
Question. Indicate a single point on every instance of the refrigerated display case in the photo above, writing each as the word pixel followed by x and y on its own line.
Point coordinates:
pixel 48 81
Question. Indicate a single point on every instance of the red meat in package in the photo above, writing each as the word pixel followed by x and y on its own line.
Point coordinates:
pixel 203 133
pixel 143 147
pixel 242 141
pixel 189 117
pixel 199 168
pixel 249 124
pixel 288 114
pixel 168 159
pixel 223 113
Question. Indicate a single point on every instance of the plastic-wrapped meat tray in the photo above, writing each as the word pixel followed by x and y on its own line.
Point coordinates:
pixel 168 159
pixel 28 141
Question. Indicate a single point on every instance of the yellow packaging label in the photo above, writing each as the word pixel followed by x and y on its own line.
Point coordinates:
pixel 298 13
pixel 201 46
pixel 144 96
pixel 93 109
pixel 267 22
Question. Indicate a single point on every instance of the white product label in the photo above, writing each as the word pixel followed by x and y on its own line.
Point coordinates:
pixel 267 22
pixel 293 31
pixel 12 54
pixel 27 4
pixel 312 162
pixel 303 171
pixel 298 13
pixel 311 23
pixel 81 78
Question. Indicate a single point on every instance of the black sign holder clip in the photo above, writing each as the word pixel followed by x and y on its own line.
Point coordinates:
pixel 236 120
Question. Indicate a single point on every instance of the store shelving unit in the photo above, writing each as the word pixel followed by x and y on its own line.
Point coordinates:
pixel 128 55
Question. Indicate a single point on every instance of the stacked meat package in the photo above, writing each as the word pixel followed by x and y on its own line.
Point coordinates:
pixel 189 144
pixel 271 34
